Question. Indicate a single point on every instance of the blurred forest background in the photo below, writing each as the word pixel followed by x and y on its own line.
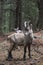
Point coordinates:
pixel 13 13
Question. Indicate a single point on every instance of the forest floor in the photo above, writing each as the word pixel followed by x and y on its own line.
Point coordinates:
pixel 36 52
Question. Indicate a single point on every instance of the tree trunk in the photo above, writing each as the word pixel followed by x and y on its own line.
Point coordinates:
pixel 18 14
pixel 40 21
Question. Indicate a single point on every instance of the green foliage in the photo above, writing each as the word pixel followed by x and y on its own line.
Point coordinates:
pixel 5 24
pixel 8 15
pixel 30 10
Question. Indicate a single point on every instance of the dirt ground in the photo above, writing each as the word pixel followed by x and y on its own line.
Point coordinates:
pixel 36 53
